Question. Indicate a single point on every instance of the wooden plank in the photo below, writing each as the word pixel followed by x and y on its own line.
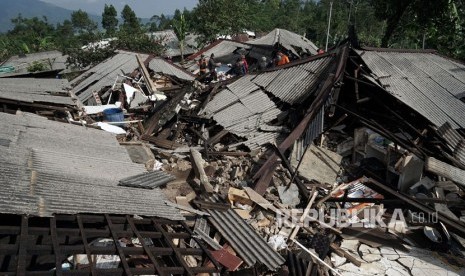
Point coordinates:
pixel 148 81
pixel 147 250
pixel 56 249
pixel 188 209
pixel 197 162
pixel 160 142
pixel 86 245
pixel 22 252
pixel 121 254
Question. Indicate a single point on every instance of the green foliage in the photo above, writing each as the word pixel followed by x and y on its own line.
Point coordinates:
pixel 82 22
pixel 131 23
pixel 81 58
pixel 415 24
pixel 138 42
pixel 109 20
pixel 180 28
pixel 37 66
pixel 220 17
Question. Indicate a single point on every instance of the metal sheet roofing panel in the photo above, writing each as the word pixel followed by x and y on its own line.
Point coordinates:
pixel 104 74
pixel 49 167
pixel 288 40
pixel 221 100
pixel 264 79
pixel 284 86
pixel 406 92
pixel 257 102
pixel 243 86
pixel 245 241
pixel 232 114
pixel 165 67
pixel 36 90
pixel 148 180
pixel 428 83
pixel 54 58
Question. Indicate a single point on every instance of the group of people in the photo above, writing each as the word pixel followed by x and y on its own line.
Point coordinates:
pixel 241 66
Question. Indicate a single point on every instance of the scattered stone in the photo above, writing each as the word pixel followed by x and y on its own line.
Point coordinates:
pixel 337 260
pixel 350 245
pixel 369 254
pixel 210 171
pixel 289 196
pixel 183 165
pixel 389 253
pixel 235 172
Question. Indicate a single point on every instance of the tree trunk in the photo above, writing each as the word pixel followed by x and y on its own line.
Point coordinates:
pixel 393 21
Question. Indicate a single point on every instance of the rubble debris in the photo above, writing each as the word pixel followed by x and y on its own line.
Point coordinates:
pixel 318 164
pixel 323 166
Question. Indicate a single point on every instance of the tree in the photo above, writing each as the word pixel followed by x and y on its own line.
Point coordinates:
pixel 82 23
pixel 109 20
pixel 131 23
pixel 220 17
pixel 180 28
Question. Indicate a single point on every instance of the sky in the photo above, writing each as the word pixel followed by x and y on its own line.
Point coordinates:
pixel 143 8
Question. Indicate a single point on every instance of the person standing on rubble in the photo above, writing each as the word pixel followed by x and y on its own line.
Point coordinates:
pixel 262 64
pixel 212 64
pixel 245 64
pixel 203 65
pixel 238 67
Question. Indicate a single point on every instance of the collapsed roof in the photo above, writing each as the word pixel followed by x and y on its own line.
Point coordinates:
pixel 432 85
pixel 50 167
pixel 293 42
pixel 52 60
pixel 51 91
pixel 248 106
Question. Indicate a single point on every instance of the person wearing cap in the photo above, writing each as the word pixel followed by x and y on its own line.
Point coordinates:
pixel 262 64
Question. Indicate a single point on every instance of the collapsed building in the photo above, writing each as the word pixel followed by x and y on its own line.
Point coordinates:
pixel 343 163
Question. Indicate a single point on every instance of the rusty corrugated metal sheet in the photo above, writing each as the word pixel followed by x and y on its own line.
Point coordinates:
pixel 244 240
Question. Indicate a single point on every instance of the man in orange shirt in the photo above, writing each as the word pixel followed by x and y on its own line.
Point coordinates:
pixel 284 59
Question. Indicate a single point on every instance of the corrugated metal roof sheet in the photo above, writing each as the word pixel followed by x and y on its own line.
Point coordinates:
pixel 54 60
pixel 36 90
pixel 295 83
pixel 49 167
pixel 242 86
pixel 160 65
pixel 104 74
pixel 454 140
pixel 221 100
pixel 243 107
pixel 428 83
pixel 148 180
pixel 244 240
pixel 288 40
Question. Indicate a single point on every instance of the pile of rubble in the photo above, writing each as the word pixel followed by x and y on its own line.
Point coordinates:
pixel 324 166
